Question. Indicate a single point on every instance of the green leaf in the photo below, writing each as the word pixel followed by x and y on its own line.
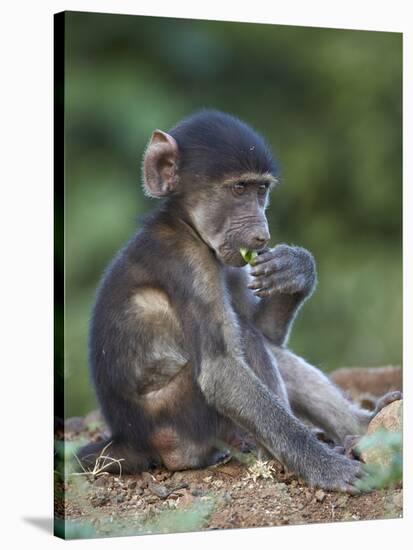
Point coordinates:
pixel 248 255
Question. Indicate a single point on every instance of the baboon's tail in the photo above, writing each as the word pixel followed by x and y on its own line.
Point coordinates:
pixel 112 457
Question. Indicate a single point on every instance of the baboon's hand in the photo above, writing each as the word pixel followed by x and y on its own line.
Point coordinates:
pixel 283 269
pixel 337 473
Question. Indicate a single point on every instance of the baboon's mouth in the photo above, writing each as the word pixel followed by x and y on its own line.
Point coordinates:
pixel 230 256
pixel 249 256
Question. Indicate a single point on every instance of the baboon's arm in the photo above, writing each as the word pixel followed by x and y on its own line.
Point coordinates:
pixel 230 386
pixel 283 278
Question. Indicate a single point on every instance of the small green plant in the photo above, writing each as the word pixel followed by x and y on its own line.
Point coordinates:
pixel 249 256
pixel 387 469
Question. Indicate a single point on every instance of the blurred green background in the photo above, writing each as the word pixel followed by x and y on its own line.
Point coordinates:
pixel 328 102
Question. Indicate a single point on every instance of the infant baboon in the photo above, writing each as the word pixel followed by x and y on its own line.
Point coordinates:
pixel 186 345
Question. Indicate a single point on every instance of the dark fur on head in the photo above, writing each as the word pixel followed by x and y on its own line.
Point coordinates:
pixel 215 145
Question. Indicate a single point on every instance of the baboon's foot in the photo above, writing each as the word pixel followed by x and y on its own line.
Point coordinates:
pixel 386 399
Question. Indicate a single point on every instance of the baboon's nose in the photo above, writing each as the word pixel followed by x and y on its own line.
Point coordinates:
pixel 259 238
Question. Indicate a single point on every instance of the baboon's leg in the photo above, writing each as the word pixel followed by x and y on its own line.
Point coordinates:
pixel 186 430
pixel 179 451
pixel 314 397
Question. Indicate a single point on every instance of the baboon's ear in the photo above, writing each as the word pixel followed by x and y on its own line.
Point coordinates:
pixel 160 173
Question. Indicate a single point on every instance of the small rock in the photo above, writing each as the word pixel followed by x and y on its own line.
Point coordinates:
pixel 152 499
pixel 178 476
pixel 342 500
pixel 390 418
pixel 320 495
pixel 159 490
pixel 102 481
pixel 308 494
pixel 132 484
pixel 146 479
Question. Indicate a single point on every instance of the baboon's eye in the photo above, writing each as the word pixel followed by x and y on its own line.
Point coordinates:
pixel 239 187
pixel 262 188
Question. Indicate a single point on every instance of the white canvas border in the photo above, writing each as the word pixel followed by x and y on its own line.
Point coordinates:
pixel 26 299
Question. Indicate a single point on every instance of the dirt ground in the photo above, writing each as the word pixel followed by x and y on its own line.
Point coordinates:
pixel 230 495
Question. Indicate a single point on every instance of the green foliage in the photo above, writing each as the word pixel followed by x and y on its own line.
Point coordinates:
pixel 390 445
pixel 328 102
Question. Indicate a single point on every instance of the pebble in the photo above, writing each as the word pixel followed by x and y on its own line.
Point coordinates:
pixel 101 481
pixel 320 495
pixel 218 483
pixel 146 479
pixel 178 476
pixel 159 490
pixel 342 500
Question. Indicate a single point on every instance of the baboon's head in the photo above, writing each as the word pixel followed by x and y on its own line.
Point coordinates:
pixel 221 171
